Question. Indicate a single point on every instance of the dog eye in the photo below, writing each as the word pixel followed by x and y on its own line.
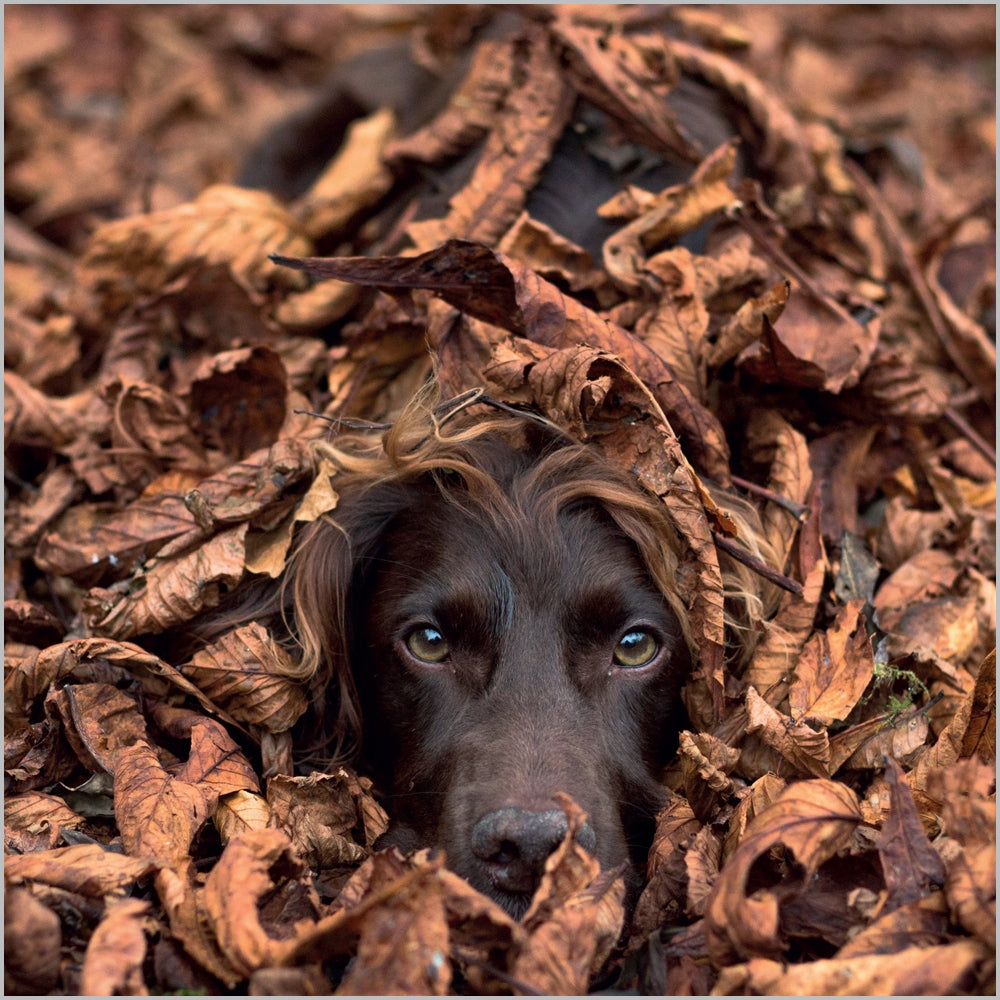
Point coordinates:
pixel 635 649
pixel 428 644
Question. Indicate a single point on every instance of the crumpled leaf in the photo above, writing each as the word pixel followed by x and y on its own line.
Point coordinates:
pixel 158 815
pixel 911 865
pixel 254 679
pixel 223 225
pixel 517 147
pixel 811 346
pixel 32 942
pixel 811 819
pixel 112 965
pixel 332 819
pixel 834 668
pixel 172 591
pixel 87 869
pixel 937 970
pixel 805 749
pixel 258 884
pixel 673 212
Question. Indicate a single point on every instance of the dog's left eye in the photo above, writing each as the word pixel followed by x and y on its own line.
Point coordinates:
pixel 635 649
pixel 428 644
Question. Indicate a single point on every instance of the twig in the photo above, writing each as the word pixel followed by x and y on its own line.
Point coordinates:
pixel 799 510
pixel 760 568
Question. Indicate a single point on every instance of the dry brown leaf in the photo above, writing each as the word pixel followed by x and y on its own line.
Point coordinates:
pixel 151 432
pixel 701 863
pixel 172 591
pixel 469 114
pixel 774 442
pixel 157 815
pixel 804 749
pixel 87 869
pixel 868 743
pixel 834 668
pixel 239 400
pixel 518 146
pixel 923 924
pixel 762 793
pixel 672 213
pixel 705 765
pixel 33 821
pixel 258 885
pixel 746 325
pixel 29 679
pixel 214 760
pixel 354 180
pixel 812 819
pixel 569 869
pixel 628 77
pixel 240 812
pixel 100 720
pixel 783 149
pixel 934 971
pixel 32 943
pixel 813 346
pixel 331 819
pixel 112 965
pixel 223 225
pixel 551 255
pixel 911 866
pixel 676 327
pixel 573 943
pixel 253 678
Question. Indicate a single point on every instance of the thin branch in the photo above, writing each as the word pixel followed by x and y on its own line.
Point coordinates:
pixel 760 568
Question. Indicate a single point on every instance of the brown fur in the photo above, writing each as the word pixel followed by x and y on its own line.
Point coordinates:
pixel 532 558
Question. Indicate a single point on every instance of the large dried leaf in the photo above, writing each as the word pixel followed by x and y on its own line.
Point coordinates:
pixel 813 820
pixel 158 815
pixel 224 225
pixel 911 866
pixel 332 819
pixel 258 885
pixel 88 869
pixel 172 591
pixel 515 151
pixel 112 965
pixel 834 668
pixel 253 678
pixel 32 943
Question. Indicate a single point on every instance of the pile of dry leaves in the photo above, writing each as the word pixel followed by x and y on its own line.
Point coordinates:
pixel 750 246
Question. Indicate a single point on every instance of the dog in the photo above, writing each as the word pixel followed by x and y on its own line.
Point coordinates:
pixel 492 613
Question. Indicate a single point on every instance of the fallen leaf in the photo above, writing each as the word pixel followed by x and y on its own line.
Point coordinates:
pixel 811 819
pixel 254 679
pixel 912 868
pixel 158 815
pixel 806 750
pixel 87 869
pixel 258 884
pixel 32 942
pixel 173 591
pixel 834 668
pixel 112 965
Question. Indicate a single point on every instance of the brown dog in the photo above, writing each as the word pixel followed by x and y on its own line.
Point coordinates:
pixel 494 607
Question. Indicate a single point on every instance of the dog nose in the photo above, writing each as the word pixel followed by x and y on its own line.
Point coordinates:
pixel 514 843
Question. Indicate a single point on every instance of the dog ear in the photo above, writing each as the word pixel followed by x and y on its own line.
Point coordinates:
pixel 323 577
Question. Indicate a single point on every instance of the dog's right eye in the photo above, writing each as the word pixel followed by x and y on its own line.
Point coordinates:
pixel 428 644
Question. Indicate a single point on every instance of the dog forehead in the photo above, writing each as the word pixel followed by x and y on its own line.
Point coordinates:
pixel 496 548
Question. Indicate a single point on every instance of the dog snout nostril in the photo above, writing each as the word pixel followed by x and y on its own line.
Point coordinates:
pixel 514 844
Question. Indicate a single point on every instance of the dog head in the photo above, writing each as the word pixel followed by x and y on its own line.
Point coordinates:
pixel 496 610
